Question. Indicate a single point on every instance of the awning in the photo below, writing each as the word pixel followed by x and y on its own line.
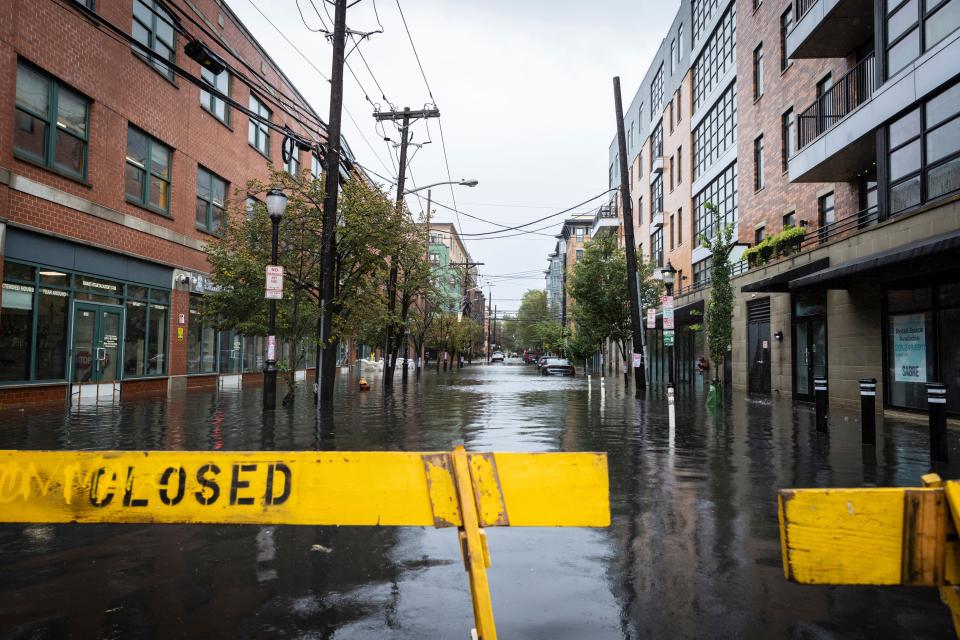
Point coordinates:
pixel 781 281
pixel 921 257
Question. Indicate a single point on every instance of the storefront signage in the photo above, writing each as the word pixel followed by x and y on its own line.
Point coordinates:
pixel 93 284
pixel 274 283
pixel 909 348
pixel 651 318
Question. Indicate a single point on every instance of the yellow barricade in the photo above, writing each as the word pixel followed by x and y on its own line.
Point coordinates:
pixel 464 490
pixel 886 536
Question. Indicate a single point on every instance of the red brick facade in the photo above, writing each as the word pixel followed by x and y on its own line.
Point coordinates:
pixel 793 87
pixel 75 50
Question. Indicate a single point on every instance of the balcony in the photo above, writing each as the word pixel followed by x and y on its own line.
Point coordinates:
pixel 836 135
pixel 656 167
pixel 605 221
pixel 656 220
pixel 829 28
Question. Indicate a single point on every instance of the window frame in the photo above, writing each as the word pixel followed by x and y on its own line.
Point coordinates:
pixel 257 129
pixel 210 205
pixel 787 130
pixel 48 161
pixel 758 163
pixel 210 105
pixel 786 25
pixel 144 200
pixel 758 71
pixel 152 57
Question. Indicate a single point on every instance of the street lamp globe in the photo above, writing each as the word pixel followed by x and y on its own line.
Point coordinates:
pixel 276 203
pixel 469 183
pixel 668 273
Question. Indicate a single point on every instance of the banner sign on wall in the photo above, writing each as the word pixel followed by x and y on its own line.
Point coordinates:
pixel 909 348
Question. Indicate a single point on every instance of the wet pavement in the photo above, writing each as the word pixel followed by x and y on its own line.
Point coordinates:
pixel 693 550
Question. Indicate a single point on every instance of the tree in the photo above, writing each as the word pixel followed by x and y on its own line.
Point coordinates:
pixel 532 311
pixel 366 234
pixel 720 308
pixel 598 285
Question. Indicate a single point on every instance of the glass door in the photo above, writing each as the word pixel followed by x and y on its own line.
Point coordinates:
pixel 96 342
pixel 809 355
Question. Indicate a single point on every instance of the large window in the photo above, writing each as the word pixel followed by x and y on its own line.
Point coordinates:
pixel 148 171
pixel 786 25
pixel 916 26
pixel 656 143
pixel 716 132
pixel 656 92
pixel 826 214
pixel 201 341
pixel 673 56
pixel 258 134
pixel 722 193
pixel 702 11
pixel 216 106
pixel 717 56
pixel 656 247
pixel 211 201
pixel 153 28
pixel 924 155
pixel 52 123
pixel 701 273
pixel 316 168
pixel 145 338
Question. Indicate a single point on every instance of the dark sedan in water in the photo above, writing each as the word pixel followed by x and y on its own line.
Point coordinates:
pixel 557 367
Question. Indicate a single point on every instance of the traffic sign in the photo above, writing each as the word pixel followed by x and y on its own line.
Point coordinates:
pixel 666 302
pixel 668 317
pixel 668 337
pixel 651 318
pixel 273 288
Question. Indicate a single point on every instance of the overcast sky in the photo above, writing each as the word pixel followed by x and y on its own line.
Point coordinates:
pixel 525 94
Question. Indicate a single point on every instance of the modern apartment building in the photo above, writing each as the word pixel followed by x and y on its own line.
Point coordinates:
pixel 120 157
pixel 827 132
pixel 567 251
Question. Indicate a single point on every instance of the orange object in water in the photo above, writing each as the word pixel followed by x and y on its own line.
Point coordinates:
pixel 364 385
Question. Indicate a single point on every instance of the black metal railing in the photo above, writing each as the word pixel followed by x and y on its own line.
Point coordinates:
pixel 834 230
pixel 850 91
pixel 606 212
pixel 800 8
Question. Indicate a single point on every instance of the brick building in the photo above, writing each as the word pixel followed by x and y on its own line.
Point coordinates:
pixel 827 132
pixel 115 169
pixel 573 236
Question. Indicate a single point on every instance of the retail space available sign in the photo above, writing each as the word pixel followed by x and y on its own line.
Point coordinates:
pixel 274 283
pixel 909 347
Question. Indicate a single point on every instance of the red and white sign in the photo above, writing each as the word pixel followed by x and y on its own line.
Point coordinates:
pixel 274 284
pixel 271 347
pixel 651 318
pixel 666 302
pixel 668 317
pixel 637 360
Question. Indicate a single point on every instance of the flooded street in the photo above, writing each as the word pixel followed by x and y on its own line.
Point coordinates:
pixel 692 552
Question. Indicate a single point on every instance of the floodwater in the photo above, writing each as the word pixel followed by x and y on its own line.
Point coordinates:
pixel 692 552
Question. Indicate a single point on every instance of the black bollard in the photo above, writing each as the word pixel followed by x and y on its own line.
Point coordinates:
pixel 868 403
pixel 820 394
pixel 937 409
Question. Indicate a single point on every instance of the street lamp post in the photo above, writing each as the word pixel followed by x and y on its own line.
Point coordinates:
pixel 276 205
pixel 668 273
pixel 462 183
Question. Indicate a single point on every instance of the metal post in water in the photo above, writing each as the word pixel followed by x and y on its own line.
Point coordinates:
pixel 868 418
pixel 937 410
pixel 822 403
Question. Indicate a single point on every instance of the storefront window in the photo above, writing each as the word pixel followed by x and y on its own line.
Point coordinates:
pixel 202 341
pixel 16 324
pixel 253 350
pixel 230 352
pixel 51 343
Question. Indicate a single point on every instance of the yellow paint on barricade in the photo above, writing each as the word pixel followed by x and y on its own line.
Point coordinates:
pixel 317 488
pixel 464 490
pixel 885 536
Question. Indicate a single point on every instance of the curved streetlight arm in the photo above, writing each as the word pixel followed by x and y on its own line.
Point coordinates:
pixel 462 183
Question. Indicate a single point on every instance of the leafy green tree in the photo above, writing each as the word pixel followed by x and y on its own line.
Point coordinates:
pixel 238 258
pixel 532 311
pixel 720 308
pixel 598 285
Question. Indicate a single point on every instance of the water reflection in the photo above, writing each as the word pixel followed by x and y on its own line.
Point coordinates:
pixel 692 551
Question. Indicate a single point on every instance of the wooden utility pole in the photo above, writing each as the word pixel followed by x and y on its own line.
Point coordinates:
pixel 392 347
pixel 326 362
pixel 638 372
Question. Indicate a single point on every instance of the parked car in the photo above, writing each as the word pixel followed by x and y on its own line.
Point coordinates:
pixel 497 356
pixel 541 360
pixel 557 367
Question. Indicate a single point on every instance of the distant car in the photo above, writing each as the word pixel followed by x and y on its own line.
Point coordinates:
pixel 531 357
pixel 557 367
pixel 497 356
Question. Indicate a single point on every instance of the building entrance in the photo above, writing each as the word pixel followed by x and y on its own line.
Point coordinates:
pixel 96 352
pixel 758 345
pixel 809 343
